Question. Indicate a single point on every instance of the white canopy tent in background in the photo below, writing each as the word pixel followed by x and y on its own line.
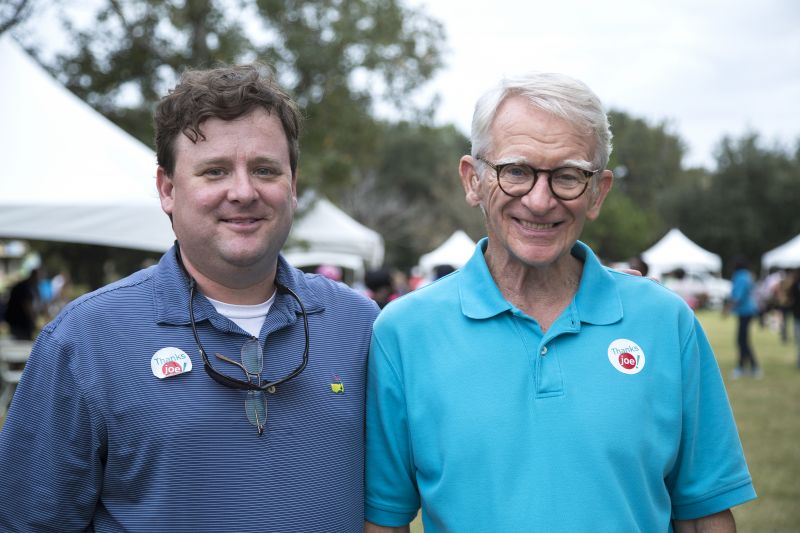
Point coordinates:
pixel 787 255
pixel 68 173
pixel 327 235
pixel 71 175
pixel 676 250
pixel 455 251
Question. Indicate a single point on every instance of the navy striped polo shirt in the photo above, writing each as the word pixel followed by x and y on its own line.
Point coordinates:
pixel 97 439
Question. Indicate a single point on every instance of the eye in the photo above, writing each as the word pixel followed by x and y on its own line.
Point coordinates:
pixel 267 172
pixel 516 172
pixel 263 171
pixel 214 172
pixel 569 176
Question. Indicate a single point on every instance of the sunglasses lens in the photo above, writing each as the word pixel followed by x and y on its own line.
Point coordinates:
pixel 252 356
pixel 256 407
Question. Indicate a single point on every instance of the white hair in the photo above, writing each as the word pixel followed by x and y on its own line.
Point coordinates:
pixel 558 94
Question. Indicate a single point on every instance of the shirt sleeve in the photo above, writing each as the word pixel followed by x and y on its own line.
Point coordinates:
pixel 392 498
pixel 710 473
pixel 50 452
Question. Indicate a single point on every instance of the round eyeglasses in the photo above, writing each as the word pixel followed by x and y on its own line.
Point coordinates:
pixel 518 179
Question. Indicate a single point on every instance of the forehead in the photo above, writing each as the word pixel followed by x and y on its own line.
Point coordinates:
pixel 522 130
pixel 257 133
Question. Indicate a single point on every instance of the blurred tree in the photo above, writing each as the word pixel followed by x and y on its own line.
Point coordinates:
pixel 339 58
pixel 12 12
pixel 623 229
pixel 646 158
pixel 646 161
pixel 124 62
pixel 750 203
pixel 413 196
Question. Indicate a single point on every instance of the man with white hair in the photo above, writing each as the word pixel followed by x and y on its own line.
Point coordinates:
pixel 535 389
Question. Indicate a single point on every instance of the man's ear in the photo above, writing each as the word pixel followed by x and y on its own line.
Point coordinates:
pixel 294 188
pixel 166 190
pixel 470 180
pixel 603 188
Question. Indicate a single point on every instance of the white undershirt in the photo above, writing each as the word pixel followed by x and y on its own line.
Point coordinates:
pixel 248 317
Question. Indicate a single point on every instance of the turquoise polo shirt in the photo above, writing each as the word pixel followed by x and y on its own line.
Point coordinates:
pixel 615 419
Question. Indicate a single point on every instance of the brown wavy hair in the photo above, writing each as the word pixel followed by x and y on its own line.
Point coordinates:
pixel 226 93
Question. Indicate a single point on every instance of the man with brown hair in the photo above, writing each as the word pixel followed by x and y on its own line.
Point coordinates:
pixel 220 390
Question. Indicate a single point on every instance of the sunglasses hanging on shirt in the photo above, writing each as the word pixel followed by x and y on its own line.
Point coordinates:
pixel 252 359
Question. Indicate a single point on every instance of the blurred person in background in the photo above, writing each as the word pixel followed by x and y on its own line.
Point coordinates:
pixel 743 305
pixel 677 282
pixel 638 264
pixel 22 308
pixel 794 305
pixel 783 303
pixel 765 293
pixel 440 271
pixel 534 389
pixel 331 272
pixel 219 390
pixel 380 286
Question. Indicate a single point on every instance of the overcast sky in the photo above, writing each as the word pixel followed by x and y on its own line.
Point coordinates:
pixel 708 67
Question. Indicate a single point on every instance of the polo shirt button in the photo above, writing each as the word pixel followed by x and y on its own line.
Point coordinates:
pixel 544 350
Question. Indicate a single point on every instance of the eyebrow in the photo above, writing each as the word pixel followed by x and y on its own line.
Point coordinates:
pixel 223 161
pixel 579 163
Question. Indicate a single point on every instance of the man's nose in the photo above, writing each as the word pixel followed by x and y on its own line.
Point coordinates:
pixel 540 198
pixel 242 188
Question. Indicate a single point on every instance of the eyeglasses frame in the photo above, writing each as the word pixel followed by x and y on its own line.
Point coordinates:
pixel 498 168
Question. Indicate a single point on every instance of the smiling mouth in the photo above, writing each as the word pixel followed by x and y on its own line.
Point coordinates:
pixel 241 220
pixel 534 226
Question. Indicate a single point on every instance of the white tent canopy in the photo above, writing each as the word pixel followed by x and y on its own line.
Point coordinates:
pixel 787 255
pixel 69 174
pixel 327 235
pixel 455 251
pixel 676 250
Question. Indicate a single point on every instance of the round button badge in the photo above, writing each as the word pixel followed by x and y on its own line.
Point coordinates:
pixel 626 356
pixel 170 361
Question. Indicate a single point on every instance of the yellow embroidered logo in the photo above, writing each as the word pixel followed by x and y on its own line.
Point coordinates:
pixel 337 387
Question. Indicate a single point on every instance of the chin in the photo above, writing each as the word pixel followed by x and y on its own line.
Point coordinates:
pixel 537 257
pixel 242 257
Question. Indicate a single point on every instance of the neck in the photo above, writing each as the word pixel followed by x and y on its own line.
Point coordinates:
pixel 540 292
pixel 244 287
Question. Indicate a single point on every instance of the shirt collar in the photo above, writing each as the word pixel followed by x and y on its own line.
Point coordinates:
pixel 596 302
pixel 172 293
pixel 480 296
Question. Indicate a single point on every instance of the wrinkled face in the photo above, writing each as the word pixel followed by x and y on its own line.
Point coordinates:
pixel 232 197
pixel 536 230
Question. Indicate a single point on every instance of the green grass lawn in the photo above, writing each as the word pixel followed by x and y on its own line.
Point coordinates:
pixel 767 413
